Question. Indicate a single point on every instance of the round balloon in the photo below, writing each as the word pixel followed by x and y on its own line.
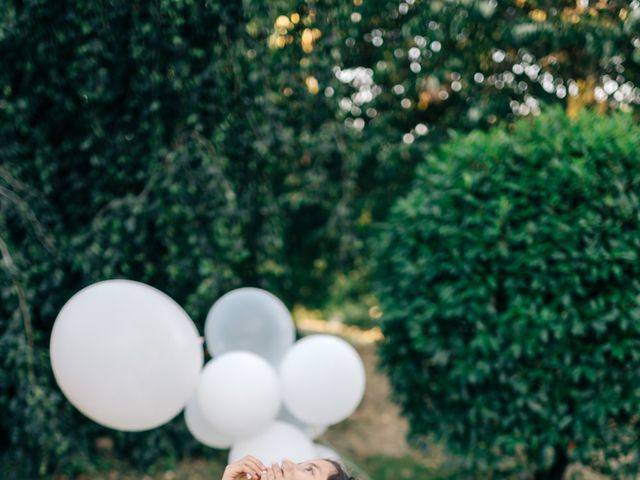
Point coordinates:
pixel 276 442
pixel 322 379
pixel 322 451
pixel 250 319
pixel 126 355
pixel 239 393
pixel 202 430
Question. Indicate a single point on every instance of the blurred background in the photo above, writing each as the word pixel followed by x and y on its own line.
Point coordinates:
pixel 451 185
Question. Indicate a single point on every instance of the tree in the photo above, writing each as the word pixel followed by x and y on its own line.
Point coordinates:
pixel 508 277
pixel 401 76
pixel 405 74
pixel 150 142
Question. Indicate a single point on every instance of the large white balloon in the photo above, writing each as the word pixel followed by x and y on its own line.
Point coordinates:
pixel 239 393
pixel 202 430
pixel 322 379
pixel 126 355
pixel 250 319
pixel 275 443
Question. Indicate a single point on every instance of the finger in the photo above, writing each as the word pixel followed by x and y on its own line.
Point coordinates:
pixel 252 475
pixel 245 474
pixel 288 469
pixel 252 464
pixel 243 470
pixel 235 470
pixel 257 460
pixel 271 474
pixel 277 472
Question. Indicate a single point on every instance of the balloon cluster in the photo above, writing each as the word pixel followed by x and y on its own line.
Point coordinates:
pixel 130 358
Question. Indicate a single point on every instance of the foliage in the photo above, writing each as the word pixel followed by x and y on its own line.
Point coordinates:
pixel 510 285
pixel 402 75
pixel 406 73
pixel 137 141
pixel 200 146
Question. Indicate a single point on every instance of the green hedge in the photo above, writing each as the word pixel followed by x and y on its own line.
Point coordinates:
pixel 119 124
pixel 154 141
pixel 509 277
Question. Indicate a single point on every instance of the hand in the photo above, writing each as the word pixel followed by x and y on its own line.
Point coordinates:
pixel 286 472
pixel 244 469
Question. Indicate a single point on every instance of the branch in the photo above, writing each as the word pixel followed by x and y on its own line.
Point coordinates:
pixel 11 180
pixel 7 259
pixel 23 206
pixel 126 200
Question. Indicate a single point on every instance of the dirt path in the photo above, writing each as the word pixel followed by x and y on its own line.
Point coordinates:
pixel 376 427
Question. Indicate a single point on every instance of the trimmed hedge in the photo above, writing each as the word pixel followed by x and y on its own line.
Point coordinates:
pixel 509 277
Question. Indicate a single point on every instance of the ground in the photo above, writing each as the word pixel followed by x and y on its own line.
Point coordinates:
pixel 376 428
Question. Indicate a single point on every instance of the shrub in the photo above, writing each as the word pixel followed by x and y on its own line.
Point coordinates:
pixel 107 171
pixel 154 142
pixel 509 277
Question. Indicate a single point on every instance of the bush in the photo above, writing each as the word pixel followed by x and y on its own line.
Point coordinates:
pixel 509 277
pixel 109 169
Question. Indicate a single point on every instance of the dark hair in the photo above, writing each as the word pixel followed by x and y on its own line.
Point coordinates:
pixel 340 474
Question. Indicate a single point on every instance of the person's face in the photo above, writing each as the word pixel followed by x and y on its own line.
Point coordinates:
pixel 311 469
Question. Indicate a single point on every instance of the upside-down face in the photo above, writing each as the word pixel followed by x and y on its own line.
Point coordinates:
pixel 309 470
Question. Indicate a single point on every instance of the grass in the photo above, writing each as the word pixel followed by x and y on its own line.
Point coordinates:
pixel 387 468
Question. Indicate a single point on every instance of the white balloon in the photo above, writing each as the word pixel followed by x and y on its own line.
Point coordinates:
pixel 311 431
pixel 250 319
pixel 322 451
pixel 239 393
pixel 202 430
pixel 322 379
pixel 276 442
pixel 125 354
